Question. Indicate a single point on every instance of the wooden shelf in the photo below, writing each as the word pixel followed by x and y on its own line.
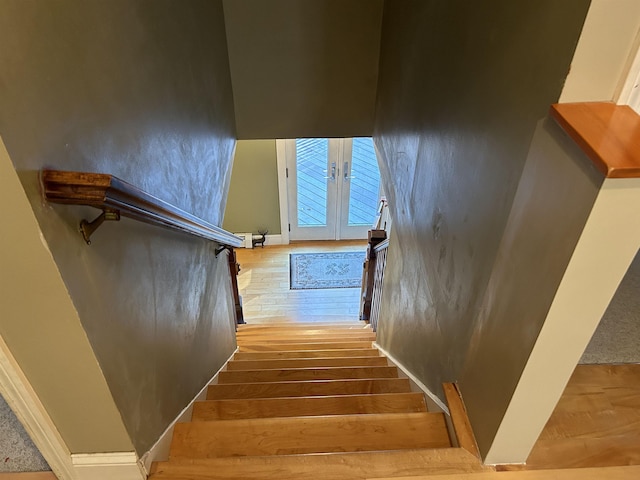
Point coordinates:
pixel 110 194
pixel 608 133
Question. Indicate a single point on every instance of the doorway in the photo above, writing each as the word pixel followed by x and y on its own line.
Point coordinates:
pixel 332 187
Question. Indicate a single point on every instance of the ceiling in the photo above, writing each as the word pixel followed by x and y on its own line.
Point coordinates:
pixel 303 68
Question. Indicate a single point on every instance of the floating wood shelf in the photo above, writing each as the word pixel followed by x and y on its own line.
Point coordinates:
pixel 608 133
pixel 116 197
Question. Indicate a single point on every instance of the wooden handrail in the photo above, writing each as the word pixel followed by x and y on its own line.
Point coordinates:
pixel 382 245
pixel 116 197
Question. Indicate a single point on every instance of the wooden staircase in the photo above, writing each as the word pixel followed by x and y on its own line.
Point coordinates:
pixel 311 400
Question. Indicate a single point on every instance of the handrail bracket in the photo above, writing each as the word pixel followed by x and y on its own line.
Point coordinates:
pixel 88 228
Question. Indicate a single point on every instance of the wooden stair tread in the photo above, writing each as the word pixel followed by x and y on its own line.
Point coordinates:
pixel 301 374
pixel 295 435
pixel 308 388
pixel 235 365
pixel 331 353
pixel 308 406
pixel 333 466
pixel 622 472
pixel 270 347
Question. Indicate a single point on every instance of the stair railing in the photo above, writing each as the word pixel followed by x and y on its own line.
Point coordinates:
pixel 117 198
pixel 374 238
pixel 378 276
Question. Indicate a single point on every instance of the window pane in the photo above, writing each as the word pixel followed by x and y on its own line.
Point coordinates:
pixel 365 183
pixel 311 163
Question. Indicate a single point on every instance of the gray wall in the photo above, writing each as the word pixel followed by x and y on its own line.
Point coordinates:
pixel 139 89
pixel 303 69
pixel 463 86
pixel 253 201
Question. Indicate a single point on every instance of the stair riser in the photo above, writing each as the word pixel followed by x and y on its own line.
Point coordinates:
pixel 305 389
pixel 335 373
pixel 335 338
pixel 367 352
pixel 236 365
pixel 267 347
pixel 301 435
pixel 308 406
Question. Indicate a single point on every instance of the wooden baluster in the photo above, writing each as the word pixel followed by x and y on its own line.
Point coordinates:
pixel 234 268
pixel 375 237
pixel 378 277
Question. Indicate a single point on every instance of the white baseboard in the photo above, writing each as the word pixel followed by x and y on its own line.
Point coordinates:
pixel 23 400
pixel 160 450
pixel 269 240
pixel 274 240
pixel 108 466
pixel 415 383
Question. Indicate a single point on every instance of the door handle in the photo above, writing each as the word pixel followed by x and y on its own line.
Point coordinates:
pixel 346 172
pixel 333 172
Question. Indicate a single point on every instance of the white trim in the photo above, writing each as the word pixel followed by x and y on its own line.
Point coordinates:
pixel 281 160
pixel 630 92
pixel 113 458
pixel 23 400
pixel 275 239
pixel 108 466
pixel 414 380
pixel 160 450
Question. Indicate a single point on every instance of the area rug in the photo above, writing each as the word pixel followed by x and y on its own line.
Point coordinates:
pixel 326 270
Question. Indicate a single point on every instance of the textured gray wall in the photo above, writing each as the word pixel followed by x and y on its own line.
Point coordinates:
pixel 140 89
pixel 303 69
pixel 462 88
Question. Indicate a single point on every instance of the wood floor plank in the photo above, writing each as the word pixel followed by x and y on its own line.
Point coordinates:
pixel 297 435
pixel 362 352
pixel 308 388
pixel 264 286
pixel 271 347
pixel 297 374
pixel 335 466
pixel 234 365
pixel 596 423
pixel 308 406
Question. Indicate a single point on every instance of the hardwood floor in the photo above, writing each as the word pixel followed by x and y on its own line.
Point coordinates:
pixel 263 282
pixel 596 422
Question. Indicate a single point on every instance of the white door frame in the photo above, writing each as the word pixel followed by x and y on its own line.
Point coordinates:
pixel 283 193
pixel 281 161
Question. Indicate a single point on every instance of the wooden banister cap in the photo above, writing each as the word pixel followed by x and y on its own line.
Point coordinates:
pixel 608 133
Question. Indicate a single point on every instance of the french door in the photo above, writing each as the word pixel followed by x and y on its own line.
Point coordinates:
pixel 333 187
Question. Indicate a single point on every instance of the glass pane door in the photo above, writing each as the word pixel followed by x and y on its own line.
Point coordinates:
pixel 360 189
pixel 312 166
pixel 333 188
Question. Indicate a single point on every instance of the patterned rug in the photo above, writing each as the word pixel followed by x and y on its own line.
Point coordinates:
pixel 326 270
